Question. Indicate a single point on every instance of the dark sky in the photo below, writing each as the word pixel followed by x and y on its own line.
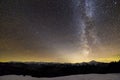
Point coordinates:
pixel 59 30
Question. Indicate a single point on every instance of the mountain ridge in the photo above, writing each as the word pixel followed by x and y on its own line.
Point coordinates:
pixel 43 69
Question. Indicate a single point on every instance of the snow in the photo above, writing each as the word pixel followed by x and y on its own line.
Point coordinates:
pixel 72 77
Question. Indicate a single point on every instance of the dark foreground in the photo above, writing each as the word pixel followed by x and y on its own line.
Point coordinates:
pixel 57 69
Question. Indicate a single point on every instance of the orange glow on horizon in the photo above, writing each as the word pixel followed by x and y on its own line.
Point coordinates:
pixel 69 59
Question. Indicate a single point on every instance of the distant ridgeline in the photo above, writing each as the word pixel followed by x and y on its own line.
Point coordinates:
pixel 38 69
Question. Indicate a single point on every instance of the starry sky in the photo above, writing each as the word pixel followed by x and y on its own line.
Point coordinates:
pixel 59 30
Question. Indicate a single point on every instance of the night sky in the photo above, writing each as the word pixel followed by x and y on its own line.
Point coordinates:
pixel 59 30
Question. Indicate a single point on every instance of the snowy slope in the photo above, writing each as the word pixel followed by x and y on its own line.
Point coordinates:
pixel 73 77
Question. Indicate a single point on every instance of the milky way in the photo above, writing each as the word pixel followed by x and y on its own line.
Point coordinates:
pixel 88 36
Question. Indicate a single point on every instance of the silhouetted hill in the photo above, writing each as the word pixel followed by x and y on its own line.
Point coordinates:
pixel 57 69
